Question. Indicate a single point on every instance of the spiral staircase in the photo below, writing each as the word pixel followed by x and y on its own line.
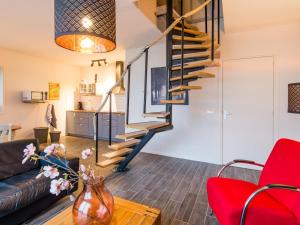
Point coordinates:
pixel 189 53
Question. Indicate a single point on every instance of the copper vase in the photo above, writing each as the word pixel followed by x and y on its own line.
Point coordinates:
pixel 94 205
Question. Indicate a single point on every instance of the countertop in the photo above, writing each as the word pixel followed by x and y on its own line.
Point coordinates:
pixel 93 111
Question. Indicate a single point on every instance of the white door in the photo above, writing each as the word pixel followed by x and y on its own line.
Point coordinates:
pixel 248 109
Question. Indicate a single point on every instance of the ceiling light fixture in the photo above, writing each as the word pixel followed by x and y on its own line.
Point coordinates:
pixel 86 26
pixel 99 61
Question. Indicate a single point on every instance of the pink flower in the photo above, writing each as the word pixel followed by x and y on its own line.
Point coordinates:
pixel 65 184
pixel 86 153
pixel 92 174
pixel 56 187
pixel 50 171
pixel 85 176
pixel 82 168
pixel 28 152
pixel 60 185
pixel 49 150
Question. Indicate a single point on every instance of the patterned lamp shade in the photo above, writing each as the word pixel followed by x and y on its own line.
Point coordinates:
pixel 87 26
pixel 294 98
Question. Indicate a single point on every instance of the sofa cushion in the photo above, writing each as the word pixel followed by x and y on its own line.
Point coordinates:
pixel 21 190
pixel 11 156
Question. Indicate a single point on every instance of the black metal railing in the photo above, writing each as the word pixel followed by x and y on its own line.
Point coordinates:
pixel 206 19
pixel 182 43
pixel 146 80
pixel 128 93
pixel 97 135
pixel 182 51
pixel 168 33
pixel 212 30
pixel 110 119
pixel 219 21
pixel 169 59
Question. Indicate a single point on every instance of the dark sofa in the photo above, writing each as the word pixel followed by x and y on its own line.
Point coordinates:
pixel 22 196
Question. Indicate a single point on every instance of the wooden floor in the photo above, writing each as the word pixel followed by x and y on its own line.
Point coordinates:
pixel 176 186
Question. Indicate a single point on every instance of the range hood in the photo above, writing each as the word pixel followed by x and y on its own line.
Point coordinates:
pixel 120 90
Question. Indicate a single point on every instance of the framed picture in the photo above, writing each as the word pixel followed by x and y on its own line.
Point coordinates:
pixel 158 87
pixel 54 91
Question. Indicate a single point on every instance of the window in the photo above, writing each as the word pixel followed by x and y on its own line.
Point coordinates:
pixel 1 90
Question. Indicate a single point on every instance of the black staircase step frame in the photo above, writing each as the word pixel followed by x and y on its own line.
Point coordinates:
pixel 178 51
pixel 178 72
pixel 188 60
pixel 178 42
pixel 177 32
pixel 122 166
pixel 185 81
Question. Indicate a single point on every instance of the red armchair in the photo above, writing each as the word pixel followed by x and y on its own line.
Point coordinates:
pixel 274 201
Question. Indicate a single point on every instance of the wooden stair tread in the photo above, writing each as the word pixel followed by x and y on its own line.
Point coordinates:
pixel 189 26
pixel 197 55
pixel 172 101
pixel 195 39
pixel 176 93
pixel 191 31
pixel 135 134
pixel 109 162
pixel 196 74
pixel 203 46
pixel 206 63
pixel 117 153
pixel 157 114
pixel 125 144
pixel 183 87
pixel 147 125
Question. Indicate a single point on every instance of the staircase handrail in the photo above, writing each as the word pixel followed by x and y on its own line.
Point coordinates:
pixel 139 55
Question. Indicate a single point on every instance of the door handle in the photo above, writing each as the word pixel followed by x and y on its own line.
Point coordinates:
pixel 226 114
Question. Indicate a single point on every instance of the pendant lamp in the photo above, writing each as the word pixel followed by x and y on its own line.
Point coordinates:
pixel 294 98
pixel 87 26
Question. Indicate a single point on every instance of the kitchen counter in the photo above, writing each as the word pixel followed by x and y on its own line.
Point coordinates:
pixel 81 123
pixel 93 111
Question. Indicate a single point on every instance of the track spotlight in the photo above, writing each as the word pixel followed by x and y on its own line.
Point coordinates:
pixel 99 61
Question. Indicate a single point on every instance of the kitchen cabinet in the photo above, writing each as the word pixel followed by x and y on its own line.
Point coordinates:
pixel 80 123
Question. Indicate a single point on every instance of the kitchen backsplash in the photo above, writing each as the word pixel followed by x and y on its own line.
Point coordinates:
pixel 94 102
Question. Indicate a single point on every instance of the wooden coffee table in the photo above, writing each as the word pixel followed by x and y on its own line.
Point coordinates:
pixel 125 213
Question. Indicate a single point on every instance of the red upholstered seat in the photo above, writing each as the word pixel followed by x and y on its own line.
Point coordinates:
pixel 227 198
pixel 272 207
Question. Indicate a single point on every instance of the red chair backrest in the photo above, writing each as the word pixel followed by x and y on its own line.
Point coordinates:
pixel 283 167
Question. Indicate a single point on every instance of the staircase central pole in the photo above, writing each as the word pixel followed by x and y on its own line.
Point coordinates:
pixel 169 40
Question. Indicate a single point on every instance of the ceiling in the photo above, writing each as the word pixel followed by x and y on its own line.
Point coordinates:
pixel 28 27
pixel 243 15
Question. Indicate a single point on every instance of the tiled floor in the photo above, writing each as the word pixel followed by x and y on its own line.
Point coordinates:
pixel 176 186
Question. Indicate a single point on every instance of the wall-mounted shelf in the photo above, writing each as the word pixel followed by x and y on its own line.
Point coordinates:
pixel 34 101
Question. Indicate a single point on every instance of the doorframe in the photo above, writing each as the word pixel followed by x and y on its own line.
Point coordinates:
pixel 275 99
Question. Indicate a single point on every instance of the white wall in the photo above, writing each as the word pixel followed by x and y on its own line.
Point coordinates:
pixel 1 90
pixel 198 127
pixel 25 72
